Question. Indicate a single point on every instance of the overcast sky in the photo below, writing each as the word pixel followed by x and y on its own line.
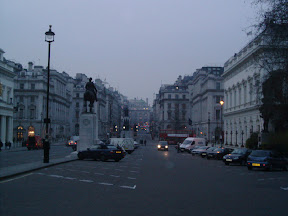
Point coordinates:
pixel 136 45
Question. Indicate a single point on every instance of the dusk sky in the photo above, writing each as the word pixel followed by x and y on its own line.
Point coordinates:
pixel 136 45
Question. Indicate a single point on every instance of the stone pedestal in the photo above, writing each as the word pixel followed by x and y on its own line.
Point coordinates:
pixel 88 132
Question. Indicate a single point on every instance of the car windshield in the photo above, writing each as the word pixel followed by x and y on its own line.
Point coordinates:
pixel 186 142
pixel 239 151
pixel 163 143
pixel 260 153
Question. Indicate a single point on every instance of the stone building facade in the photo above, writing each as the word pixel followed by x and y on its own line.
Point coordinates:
pixel 6 100
pixel 30 98
pixel 206 91
pixel 242 79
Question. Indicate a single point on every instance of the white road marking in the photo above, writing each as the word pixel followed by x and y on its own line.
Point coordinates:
pixel 88 181
pixel 56 176
pixel 129 187
pixel 70 178
pixel 115 176
pixel 16 178
pixel 284 188
pixel 98 173
pixel 104 183
pixel 131 178
pixel 85 172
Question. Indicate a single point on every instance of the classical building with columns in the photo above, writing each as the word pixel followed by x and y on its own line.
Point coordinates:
pixel 243 76
pixel 206 91
pixel 6 100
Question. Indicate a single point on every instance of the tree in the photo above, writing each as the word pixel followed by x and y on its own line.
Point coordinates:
pixel 273 25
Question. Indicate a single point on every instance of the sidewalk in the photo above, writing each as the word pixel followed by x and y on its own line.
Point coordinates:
pixel 7 172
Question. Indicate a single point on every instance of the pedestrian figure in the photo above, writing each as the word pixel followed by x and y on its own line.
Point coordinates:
pixel 145 142
pixel 6 144
pixel 9 145
pixel 1 144
pixel 178 147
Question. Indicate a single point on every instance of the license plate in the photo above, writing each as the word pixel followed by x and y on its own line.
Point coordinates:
pixel 256 164
pixel 118 152
pixel 204 154
pixel 228 159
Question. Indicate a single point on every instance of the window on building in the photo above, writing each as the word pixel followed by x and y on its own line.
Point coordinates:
pixel 32 99
pixel 169 115
pixel 77 104
pixel 77 95
pixel 77 114
pixel 21 113
pixel 218 86
pixel 217 114
pixel 217 98
pixel 21 85
pixel 32 113
pixel 21 99
pixel 177 96
pixel 169 96
pixel 184 96
pixel 169 105
pixel 32 86
pixel 183 106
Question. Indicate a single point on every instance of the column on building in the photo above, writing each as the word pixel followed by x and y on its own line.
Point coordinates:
pixel 3 128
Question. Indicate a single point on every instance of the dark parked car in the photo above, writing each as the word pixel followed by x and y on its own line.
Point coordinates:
pixel 266 159
pixel 237 156
pixel 162 145
pixel 204 153
pixel 199 150
pixel 218 153
pixel 102 152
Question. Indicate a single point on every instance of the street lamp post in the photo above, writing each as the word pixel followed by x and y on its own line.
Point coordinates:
pixel 226 137
pixel 49 37
pixel 242 133
pixel 221 103
pixel 236 137
pixel 231 137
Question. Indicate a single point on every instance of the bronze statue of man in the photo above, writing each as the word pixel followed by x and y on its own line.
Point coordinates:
pixel 90 94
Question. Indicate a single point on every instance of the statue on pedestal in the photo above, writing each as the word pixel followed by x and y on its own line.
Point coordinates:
pixel 90 95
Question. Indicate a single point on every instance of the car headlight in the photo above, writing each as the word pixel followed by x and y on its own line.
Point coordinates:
pixel 159 146
pixel 166 146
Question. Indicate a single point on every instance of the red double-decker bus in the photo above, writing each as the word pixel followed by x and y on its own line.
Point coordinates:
pixel 175 136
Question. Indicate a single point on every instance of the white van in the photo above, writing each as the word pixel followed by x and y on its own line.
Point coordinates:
pixel 191 142
pixel 126 143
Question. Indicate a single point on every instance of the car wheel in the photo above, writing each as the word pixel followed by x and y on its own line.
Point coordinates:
pixel 103 158
pixel 249 168
pixel 80 156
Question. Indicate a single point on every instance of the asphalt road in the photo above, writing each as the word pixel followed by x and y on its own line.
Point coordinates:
pixel 147 182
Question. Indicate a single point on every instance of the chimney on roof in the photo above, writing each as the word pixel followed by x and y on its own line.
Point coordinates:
pixel 30 66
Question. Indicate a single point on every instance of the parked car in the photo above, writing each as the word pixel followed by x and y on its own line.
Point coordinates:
pixel 162 145
pixel 199 150
pixel 204 153
pixel 102 152
pixel 192 142
pixel 238 155
pixel 34 142
pixel 126 143
pixel 218 153
pixel 266 159
pixel 72 142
